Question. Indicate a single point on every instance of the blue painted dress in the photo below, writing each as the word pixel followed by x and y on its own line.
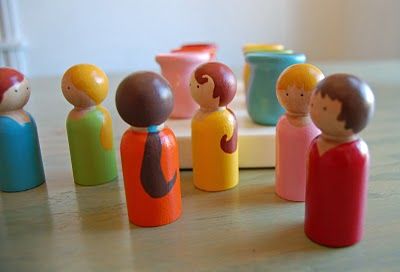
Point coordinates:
pixel 21 166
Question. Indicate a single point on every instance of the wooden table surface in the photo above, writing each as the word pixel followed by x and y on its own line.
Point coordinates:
pixel 60 226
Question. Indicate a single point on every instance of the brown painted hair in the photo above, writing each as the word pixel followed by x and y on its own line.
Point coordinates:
pixel 151 174
pixel 355 96
pixel 223 77
pixel 144 99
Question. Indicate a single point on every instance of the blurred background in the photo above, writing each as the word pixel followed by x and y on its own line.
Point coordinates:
pixel 44 37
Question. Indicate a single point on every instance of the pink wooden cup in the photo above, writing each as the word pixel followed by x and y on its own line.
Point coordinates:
pixel 177 68
pixel 211 48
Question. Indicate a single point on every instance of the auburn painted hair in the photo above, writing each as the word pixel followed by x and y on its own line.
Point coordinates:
pixel 8 78
pixel 223 78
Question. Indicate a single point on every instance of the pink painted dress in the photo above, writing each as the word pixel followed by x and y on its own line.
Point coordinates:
pixel 292 145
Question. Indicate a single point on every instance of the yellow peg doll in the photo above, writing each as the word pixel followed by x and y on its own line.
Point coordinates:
pixel 214 128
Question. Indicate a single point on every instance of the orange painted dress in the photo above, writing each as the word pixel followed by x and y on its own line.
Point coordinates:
pixel 150 163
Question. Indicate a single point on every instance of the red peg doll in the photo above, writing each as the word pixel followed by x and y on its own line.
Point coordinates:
pixel 149 151
pixel 338 161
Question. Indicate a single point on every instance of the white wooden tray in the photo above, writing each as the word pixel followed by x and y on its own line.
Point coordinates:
pixel 256 143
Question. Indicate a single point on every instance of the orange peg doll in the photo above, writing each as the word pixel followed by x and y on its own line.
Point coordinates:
pixel 149 151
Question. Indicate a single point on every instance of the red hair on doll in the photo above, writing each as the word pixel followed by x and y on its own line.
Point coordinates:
pixel 223 77
pixel 8 78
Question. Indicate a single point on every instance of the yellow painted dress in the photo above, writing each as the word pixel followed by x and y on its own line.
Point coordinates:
pixel 215 150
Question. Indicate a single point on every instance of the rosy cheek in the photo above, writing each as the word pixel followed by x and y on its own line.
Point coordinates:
pixel 318 113
pixel 329 114
pixel 196 92
pixel 313 114
pixel 285 99
pixel 27 94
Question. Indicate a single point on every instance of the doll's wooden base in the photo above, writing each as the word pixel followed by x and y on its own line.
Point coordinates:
pixel 256 142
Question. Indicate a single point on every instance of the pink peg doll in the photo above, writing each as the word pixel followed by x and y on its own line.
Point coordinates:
pixel 295 130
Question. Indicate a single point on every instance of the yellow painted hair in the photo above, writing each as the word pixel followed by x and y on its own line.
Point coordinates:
pixel 93 81
pixel 303 76
pixel 259 47
pixel 89 79
pixel 106 133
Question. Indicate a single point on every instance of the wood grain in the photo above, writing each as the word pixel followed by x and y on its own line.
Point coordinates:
pixel 60 226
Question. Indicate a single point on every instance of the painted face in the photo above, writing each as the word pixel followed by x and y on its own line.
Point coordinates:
pixel 294 100
pixel 75 96
pixel 203 93
pixel 16 97
pixel 324 113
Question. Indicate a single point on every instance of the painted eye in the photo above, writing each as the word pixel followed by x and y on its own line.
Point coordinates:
pixel 16 90
pixel 302 95
pixel 287 94
pixel 27 88
pixel 324 108
pixel 198 86
pixel 69 88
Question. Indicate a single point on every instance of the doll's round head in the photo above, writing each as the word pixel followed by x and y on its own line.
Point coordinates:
pixel 144 99
pixel 14 90
pixel 213 85
pixel 342 105
pixel 84 85
pixel 295 85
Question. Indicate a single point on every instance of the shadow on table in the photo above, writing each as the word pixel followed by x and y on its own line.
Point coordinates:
pixel 27 212
pixel 26 228
pixel 276 240
pixel 247 192
pixel 101 208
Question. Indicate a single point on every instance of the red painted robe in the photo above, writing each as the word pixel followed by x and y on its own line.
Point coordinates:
pixel 336 193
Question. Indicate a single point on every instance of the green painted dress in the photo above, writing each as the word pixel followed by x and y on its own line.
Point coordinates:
pixel 92 162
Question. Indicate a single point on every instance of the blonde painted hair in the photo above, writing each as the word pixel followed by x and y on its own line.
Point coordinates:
pixel 303 76
pixel 89 79
pixel 260 47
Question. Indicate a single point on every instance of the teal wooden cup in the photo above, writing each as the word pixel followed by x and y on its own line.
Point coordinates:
pixel 262 104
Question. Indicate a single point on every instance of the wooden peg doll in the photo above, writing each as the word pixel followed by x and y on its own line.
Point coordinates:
pixel 21 166
pixel 295 130
pixel 338 161
pixel 214 128
pixel 89 125
pixel 149 152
